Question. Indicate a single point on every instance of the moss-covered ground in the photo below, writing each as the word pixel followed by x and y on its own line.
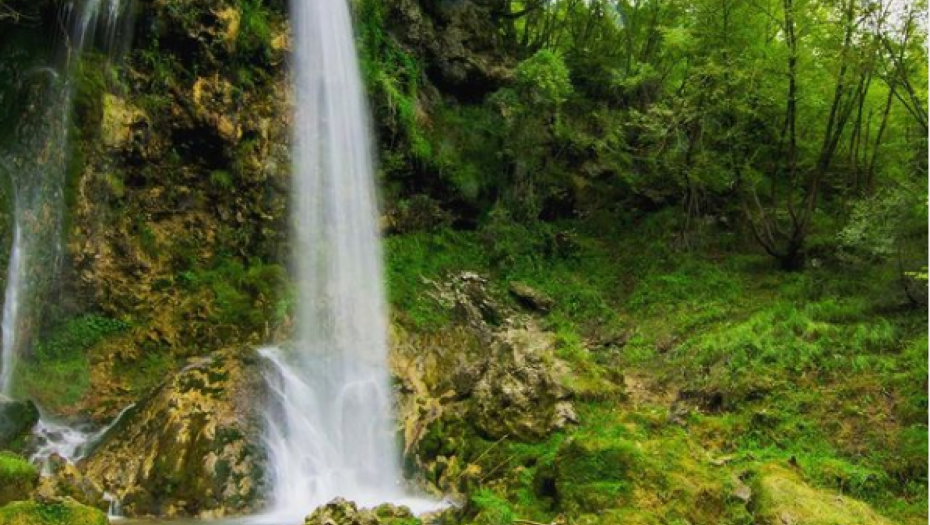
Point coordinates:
pixel 33 513
pixel 733 369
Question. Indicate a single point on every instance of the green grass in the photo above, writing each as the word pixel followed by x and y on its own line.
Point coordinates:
pixel 18 478
pixel 823 368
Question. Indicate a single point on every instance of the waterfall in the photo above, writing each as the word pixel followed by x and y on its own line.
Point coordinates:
pixel 38 169
pixel 330 430
pixel 11 311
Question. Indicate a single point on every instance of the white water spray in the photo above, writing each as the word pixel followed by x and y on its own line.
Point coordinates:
pixel 330 430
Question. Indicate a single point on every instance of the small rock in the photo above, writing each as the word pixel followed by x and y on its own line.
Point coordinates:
pixel 531 298
pixel 743 493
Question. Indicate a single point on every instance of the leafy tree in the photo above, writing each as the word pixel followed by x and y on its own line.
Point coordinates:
pixel 530 111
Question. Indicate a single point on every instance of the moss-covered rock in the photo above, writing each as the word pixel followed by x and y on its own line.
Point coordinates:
pixel 596 474
pixel 18 478
pixel 60 513
pixel 342 512
pixel 459 40
pixel 492 374
pixel 63 479
pixel 783 498
pixel 16 420
pixel 191 448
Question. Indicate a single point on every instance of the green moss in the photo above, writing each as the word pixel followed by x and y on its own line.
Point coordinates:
pixel 255 28
pixel 57 374
pixel 783 498
pixel 491 509
pixel 413 258
pixel 68 513
pixel 18 478
pixel 245 297
pixel 596 473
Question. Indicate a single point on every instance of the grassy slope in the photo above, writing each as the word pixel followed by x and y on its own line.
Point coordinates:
pixel 823 369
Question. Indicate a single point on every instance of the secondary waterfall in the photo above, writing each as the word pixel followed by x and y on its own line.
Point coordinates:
pixel 37 170
pixel 330 429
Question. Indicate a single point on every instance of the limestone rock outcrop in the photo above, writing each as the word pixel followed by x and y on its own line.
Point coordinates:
pixel 191 448
pixel 493 373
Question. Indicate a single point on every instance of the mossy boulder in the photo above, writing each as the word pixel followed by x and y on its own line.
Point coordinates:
pixel 783 498
pixel 193 447
pixel 16 421
pixel 18 478
pixel 342 512
pixel 58 513
pixel 490 374
pixel 62 479
pixel 594 474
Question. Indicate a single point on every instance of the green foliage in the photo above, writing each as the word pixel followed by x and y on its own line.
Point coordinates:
pixel 543 80
pixel 255 29
pixel 246 298
pixel 411 259
pixel 57 374
pixel 393 78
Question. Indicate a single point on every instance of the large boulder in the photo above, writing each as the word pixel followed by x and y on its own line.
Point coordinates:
pixel 16 421
pixel 193 447
pixel 491 374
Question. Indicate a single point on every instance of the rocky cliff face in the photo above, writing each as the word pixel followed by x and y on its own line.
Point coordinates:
pixel 179 214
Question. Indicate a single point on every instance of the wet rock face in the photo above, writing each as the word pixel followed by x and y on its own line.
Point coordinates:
pixel 193 447
pixel 16 421
pixel 64 481
pixel 493 374
pixel 186 171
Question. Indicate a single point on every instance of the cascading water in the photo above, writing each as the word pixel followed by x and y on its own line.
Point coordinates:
pixel 71 443
pixel 37 170
pixel 330 430
pixel 11 311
